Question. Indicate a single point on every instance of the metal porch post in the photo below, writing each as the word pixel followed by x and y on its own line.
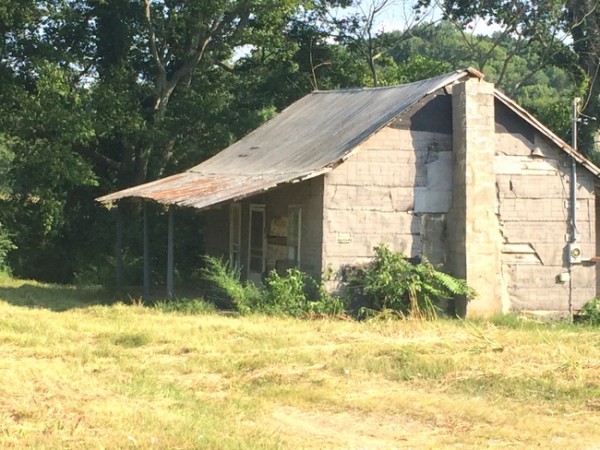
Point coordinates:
pixel 170 256
pixel 146 290
pixel 119 249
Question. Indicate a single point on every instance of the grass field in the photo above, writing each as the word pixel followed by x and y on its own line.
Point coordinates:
pixel 75 374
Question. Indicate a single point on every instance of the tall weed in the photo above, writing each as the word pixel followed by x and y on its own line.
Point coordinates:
pixel 590 313
pixel 280 295
pixel 289 295
pixel 391 281
pixel 226 289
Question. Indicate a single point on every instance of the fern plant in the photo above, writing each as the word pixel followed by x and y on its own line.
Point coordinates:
pixel 391 281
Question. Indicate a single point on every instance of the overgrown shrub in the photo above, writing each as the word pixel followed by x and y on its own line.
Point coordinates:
pixel 590 313
pixel 284 294
pixel 280 295
pixel 225 288
pixel 391 281
pixel 288 295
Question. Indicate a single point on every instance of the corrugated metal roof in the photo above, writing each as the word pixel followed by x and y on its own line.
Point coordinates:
pixel 307 139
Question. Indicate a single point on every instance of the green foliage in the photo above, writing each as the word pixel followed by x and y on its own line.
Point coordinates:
pixel 590 313
pixel 225 288
pixel 6 245
pixel 284 295
pixel 417 67
pixel 6 159
pixel 287 295
pixel 193 306
pixel 281 295
pixel 391 281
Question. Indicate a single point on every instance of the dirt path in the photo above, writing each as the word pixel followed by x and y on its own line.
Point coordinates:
pixel 348 430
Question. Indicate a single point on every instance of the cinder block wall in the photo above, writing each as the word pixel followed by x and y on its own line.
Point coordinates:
pixel 395 188
pixel 533 183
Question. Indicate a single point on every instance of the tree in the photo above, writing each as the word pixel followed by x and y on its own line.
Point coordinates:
pixel 97 95
pixel 563 34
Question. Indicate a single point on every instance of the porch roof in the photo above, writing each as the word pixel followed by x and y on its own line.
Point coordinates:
pixel 305 140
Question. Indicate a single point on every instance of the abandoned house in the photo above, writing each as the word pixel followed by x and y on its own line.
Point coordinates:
pixel 448 168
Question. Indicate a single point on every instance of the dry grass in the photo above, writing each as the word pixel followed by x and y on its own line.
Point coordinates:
pixel 127 376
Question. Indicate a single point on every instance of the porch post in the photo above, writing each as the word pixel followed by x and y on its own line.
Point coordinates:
pixel 146 290
pixel 170 256
pixel 119 248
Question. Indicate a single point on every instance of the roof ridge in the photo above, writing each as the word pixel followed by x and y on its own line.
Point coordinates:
pixel 468 71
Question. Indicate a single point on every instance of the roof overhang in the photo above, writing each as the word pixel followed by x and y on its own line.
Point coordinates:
pixel 545 131
pixel 203 191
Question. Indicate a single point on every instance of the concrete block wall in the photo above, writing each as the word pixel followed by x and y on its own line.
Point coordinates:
pixel 395 188
pixel 533 186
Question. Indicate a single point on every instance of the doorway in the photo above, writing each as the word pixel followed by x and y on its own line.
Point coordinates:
pixel 256 244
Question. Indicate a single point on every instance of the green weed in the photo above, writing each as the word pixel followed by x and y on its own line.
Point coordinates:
pixel 130 340
pixel 590 313
pixel 185 306
pixel 393 282
pixel 280 295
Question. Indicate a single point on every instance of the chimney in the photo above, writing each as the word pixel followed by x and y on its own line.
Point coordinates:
pixel 473 226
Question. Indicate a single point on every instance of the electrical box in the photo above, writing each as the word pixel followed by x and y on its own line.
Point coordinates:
pixel 564 277
pixel 574 253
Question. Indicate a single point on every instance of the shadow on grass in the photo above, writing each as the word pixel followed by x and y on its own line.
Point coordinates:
pixel 55 297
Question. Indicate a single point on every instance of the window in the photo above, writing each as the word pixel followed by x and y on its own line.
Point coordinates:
pixel 235 233
pixel 293 234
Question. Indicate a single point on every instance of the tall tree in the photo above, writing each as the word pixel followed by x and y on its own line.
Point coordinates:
pixel 563 34
pixel 97 95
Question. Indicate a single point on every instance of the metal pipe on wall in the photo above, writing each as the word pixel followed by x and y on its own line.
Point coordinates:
pixel 574 236
pixel 573 201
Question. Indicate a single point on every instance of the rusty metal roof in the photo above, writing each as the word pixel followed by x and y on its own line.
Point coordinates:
pixel 305 140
